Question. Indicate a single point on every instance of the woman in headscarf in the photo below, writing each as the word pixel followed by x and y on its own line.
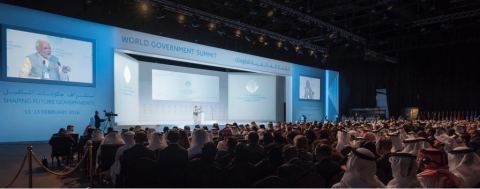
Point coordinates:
pixel 435 173
pixel 465 164
pixel 157 142
pixel 361 169
pixel 128 138
pixel 404 171
pixel 199 138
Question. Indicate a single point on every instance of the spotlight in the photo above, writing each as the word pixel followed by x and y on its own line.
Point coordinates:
pixel 271 12
pixel 297 48
pixel 261 39
pixel 143 6
pixel 279 44
pixel 181 19
pixel 265 43
pixel 211 26
pixel 311 52
pixel 237 33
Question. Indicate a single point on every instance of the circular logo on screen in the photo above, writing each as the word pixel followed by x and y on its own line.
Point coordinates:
pixel 188 83
pixel 127 75
pixel 252 86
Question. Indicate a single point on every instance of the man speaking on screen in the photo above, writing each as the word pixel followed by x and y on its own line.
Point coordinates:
pixel 43 65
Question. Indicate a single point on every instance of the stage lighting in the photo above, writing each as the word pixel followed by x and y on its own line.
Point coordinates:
pixel 265 43
pixel 271 12
pixel 237 33
pixel 181 19
pixel 297 48
pixel 143 6
pixel 279 44
pixel 311 52
pixel 261 39
pixel 211 26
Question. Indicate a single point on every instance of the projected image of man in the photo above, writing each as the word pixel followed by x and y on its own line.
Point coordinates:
pixel 308 92
pixel 43 65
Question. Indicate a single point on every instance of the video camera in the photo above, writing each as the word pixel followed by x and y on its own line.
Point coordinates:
pixel 109 114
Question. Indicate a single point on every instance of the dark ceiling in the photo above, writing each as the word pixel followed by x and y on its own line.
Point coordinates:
pixel 323 30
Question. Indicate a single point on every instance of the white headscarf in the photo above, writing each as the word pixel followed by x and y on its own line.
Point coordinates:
pixel 113 138
pixel 396 142
pixel 157 142
pixel 97 135
pixel 404 171
pixel 414 145
pixel 361 170
pixel 464 163
pixel 199 138
pixel 450 142
pixel 128 137
pixel 342 140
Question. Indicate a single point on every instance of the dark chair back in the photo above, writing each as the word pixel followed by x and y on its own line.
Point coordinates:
pixel 107 156
pixel 61 145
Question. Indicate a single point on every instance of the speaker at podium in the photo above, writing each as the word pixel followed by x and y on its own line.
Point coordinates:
pixel 198 115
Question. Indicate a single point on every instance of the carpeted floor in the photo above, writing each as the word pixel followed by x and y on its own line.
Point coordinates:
pixel 11 156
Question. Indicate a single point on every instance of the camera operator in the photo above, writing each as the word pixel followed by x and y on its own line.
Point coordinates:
pixel 98 121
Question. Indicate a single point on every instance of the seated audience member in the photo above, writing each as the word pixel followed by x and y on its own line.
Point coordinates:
pixel 404 171
pixel 70 129
pixel 396 141
pixel 414 145
pixel 384 170
pixel 240 173
pixel 361 169
pixel 112 138
pixel 183 140
pixel 342 140
pixel 138 164
pixel 435 173
pixel 465 164
pixel 97 135
pixel 62 145
pixel 256 152
pixel 199 138
pixel 301 144
pixel 325 166
pixel 224 135
pixel 203 171
pixel 157 142
pixel 128 138
pixel 172 162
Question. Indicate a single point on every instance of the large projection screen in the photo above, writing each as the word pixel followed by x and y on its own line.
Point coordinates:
pixel 176 86
pixel 41 57
pixel 251 97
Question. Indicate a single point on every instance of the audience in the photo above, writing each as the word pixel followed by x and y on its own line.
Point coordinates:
pixel 381 153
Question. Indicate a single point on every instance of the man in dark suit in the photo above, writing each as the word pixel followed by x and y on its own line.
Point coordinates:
pixel 172 161
pixel 98 121
pixel 138 164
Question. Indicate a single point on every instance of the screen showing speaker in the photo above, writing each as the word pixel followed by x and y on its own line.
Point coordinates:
pixel 41 57
pixel 309 88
